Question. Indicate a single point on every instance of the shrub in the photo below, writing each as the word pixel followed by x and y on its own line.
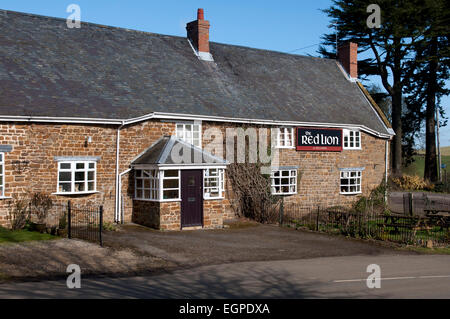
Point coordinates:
pixel 109 226
pixel 447 236
pixel 252 194
pixel 407 182
pixel 375 201
pixel 19 213
pixel 41 203
pixel 440 187
pixel 63 221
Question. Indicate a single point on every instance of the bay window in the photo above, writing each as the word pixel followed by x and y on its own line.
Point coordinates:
pixel 165 185
pixel 171 184
pixel 156 185
pixel 146 184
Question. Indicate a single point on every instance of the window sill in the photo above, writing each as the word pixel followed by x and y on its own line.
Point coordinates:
pixel 5 197
pixel 157 200
pixel 285 147
pixel 275 194
pixel 352 149
pixel 213 198
pixel 354 193
pixel 74 193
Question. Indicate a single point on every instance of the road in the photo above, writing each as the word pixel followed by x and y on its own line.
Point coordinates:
pixel 403 276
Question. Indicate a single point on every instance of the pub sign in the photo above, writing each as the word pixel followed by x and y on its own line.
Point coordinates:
pixel 319 139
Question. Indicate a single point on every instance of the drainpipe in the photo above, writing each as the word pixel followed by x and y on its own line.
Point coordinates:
pixel 116 206
pixel 386 169
pixel 117 216
pixel 119 205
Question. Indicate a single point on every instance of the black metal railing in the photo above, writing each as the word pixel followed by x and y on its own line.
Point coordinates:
pixel 404 229
pixel 267 211
pixel 74 221
pixel 85 222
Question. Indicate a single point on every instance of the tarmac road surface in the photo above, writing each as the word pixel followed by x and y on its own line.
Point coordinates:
pixel 402 276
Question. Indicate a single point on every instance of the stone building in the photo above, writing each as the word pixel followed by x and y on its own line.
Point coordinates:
pixel 137 121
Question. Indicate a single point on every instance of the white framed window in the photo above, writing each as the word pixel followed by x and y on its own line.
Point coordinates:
pixel 190 132
pixel 284 182
pixel 170 185
pixel 2 174
pixel 284 137
pixel 147 184
pixel 352 139
pixel 213 183
pixel 350 182
pixel 156 185
pixel 77 177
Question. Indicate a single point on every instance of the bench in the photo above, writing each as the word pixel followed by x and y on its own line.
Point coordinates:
pixel 407 222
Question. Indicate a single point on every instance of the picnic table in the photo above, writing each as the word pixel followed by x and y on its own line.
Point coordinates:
pixel 437 212
pixel 439 217
pixel 396 221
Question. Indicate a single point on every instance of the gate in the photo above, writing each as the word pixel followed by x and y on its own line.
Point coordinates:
pixel 85 222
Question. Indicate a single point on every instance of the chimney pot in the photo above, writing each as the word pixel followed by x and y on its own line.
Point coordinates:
pixel 348 57
pixel 200 14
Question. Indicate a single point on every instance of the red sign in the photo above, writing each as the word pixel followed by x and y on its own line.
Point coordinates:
pixel 319 139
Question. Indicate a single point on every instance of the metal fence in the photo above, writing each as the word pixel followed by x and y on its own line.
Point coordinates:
pixel 404 229
pixel 79 221
pixel 85 222
pixel 267 211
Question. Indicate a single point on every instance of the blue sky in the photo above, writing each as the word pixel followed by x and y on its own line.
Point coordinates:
pixel 284 26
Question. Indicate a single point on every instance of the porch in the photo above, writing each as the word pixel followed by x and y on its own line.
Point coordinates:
pixel 178 186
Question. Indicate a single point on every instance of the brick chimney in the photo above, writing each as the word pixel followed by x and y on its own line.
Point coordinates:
pixel 348 57
pixel 198 34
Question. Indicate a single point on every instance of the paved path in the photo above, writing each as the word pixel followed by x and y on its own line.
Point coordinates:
pixel 413 276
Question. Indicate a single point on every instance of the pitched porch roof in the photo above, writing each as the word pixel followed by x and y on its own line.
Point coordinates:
pixel 170 150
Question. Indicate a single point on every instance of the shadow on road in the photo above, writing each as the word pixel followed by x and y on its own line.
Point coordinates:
pixel 204 283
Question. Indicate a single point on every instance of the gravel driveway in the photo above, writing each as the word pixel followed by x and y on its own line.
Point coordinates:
pixel 49 259
pixel 255 243
pixel 137 250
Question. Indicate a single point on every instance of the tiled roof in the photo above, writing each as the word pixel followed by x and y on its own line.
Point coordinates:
pixel 47 69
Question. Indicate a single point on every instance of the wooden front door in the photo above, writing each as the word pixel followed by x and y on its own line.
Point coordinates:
pixel 191 198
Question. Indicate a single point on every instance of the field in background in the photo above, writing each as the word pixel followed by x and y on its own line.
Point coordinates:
pixel 417 168
pixel 445 150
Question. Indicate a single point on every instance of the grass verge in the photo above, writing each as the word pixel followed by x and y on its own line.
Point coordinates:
pixel 431 251
pixel 17 236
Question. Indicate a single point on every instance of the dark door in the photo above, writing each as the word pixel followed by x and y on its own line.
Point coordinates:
pixel 191 198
